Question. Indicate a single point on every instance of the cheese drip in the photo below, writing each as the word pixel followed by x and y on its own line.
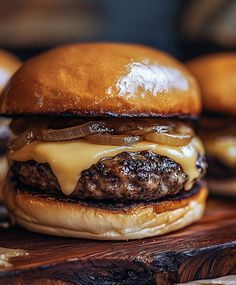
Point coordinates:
pixel 68 159
pixel 223 148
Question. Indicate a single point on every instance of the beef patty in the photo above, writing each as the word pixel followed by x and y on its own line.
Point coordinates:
pixel 136 176
pixel 109 204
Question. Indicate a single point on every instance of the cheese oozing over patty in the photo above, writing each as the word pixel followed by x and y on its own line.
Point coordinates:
pixel 68 159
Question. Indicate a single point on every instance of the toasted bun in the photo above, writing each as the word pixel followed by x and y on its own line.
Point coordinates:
pixel 226 187
pixel 54 217
pixel 216 75
pixel 8 65
pixel 102 79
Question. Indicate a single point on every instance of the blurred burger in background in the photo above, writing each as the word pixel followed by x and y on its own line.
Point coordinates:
pixel 216 75
pixel 8 65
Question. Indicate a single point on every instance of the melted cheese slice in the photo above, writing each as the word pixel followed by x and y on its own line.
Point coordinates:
pixel 69 159
pixel 223 148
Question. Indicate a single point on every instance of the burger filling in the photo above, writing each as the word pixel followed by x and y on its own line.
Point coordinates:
pixel 219 137
pixel 139 160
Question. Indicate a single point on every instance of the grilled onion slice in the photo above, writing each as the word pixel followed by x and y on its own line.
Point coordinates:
pixel 75 132
pixel 138 127
pixel 107 139
pixel 150 129
pixel 24 138
pixel 179 135
pixel 27 136
pixel 111 132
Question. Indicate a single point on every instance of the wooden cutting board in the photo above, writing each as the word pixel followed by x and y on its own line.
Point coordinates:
pixel 206 249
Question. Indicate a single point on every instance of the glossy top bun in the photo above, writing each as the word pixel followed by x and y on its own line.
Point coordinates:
pixel 98 79
pixel 8 65
pixel 217 78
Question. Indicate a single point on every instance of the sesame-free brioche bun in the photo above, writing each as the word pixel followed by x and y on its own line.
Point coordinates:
pixel 216 75
pixel 49 215
pixel 8 65
pixel 102 79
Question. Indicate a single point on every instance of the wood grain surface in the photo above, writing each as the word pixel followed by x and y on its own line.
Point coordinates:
pixel 204 250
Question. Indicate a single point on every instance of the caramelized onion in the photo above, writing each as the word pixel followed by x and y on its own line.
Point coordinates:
pixel 24 138
pixel 180 135
pixel 107 139
pixel 119 132
pixel 27 136
pixel 75 132
pixel 149 129
pixel 138 127
pixel 122 126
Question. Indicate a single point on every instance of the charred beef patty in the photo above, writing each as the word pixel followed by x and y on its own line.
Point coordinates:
pixel 125 205
pixel 219 170
pixel 126 176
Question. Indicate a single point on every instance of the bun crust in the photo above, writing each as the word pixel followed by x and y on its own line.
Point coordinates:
pixel 50 216
pixel 216 75
pixel 102 79
pixel 8 65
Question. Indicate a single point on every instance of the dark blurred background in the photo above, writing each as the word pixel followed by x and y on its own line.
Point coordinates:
pixel 185 28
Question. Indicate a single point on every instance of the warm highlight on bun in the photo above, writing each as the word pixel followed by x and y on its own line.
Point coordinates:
pixel 216 75
pixel 102 79
pixel 54 217
pixel 8 65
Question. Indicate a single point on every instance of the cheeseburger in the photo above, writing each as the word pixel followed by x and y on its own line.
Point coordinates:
pixel 101 149
pixel 8 65
pixel 216 75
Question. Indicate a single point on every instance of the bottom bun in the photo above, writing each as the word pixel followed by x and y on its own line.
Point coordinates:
pixel 48 215
pixel 226 187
